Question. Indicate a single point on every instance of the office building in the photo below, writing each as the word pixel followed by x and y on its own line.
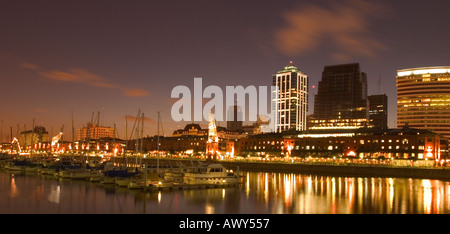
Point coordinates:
pixel 378 111
pixel 423 99
pixel 290 99
pixel 341 101
pixel 94 132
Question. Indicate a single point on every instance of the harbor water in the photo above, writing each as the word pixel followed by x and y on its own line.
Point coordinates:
pixel 260 193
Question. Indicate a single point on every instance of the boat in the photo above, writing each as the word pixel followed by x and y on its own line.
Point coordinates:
pixel 174 175
pixel 17 166
pixel 96 178
pixel 122 181
pixel 108 180
pixel 210 174
pixel 140 183
pixel 76 172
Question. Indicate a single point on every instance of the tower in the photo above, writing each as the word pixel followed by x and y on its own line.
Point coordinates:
pixel 341 101
pixel 290 99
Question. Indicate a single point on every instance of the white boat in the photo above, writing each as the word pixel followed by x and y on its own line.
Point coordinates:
pixel 151 179
pixel 211 174
pixel 175 176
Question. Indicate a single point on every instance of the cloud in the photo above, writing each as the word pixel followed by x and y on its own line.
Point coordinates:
pixel 30 66
pixel 85 77
pixel 135 92
pixel 344 26
pixel 133 118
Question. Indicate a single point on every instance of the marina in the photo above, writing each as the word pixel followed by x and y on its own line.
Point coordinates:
pixel 259 193
pixel 201 176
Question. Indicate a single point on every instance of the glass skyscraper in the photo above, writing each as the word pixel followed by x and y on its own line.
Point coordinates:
pixel 341 101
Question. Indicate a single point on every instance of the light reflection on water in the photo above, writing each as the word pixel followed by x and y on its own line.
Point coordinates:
pixel 266 193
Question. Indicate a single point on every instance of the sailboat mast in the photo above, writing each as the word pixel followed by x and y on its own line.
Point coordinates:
pixel 157 147
pixel 126 141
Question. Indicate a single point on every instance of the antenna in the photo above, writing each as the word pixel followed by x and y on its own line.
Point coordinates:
pixel 379 83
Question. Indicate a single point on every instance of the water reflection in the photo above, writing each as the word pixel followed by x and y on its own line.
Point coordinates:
pixel 294 193
pixel 278 193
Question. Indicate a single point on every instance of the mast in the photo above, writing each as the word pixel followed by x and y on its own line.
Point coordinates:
pixel 126 140
pixel 157 147
pixel 73 137
pixel 114 144
pixel 142 137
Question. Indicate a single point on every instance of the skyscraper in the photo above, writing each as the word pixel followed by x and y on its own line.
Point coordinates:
pixel 378 110
pixel 341 101
pixel 423 99
pixel 290 99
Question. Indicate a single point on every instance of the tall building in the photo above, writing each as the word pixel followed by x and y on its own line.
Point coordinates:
pixel 290 99
pixel 93 132
pixel 378 111
pixel 341 101
pixel 234 118
pixel 423 99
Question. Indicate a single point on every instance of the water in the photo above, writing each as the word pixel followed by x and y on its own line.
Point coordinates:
pixel 261 193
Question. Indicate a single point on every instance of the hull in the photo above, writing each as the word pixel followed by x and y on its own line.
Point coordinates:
pixel 108 180
pixel 122 182
pixel 206 179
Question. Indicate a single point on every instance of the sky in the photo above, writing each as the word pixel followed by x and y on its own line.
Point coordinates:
pixel 105 60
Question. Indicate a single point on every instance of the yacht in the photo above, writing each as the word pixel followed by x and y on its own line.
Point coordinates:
pixel 210 174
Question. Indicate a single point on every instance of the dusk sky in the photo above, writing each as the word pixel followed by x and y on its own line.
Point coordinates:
pixel 116 57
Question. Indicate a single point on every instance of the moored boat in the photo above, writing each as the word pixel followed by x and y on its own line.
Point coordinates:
pixel 210 174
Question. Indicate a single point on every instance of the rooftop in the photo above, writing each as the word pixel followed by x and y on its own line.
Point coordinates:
pixel 424 70
pixel 289 68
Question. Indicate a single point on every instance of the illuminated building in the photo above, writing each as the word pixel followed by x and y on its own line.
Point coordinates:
pixel 35 136
pixel 191 130
pixel 269 144
pixel 341 101
pixel 93 131
pixel 423 99
pixel 378 110
pixel 364 143
pixel 290 99
pixel 405 143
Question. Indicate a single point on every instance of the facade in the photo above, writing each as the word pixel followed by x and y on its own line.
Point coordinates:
pixel 364 143
pixel 378 111
pixel 269 144
pixel 93 131
pixel 405 143
pixel 423 99
pixel 290 99
pixel 175 144
pixel 32 137
pixel 341 101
